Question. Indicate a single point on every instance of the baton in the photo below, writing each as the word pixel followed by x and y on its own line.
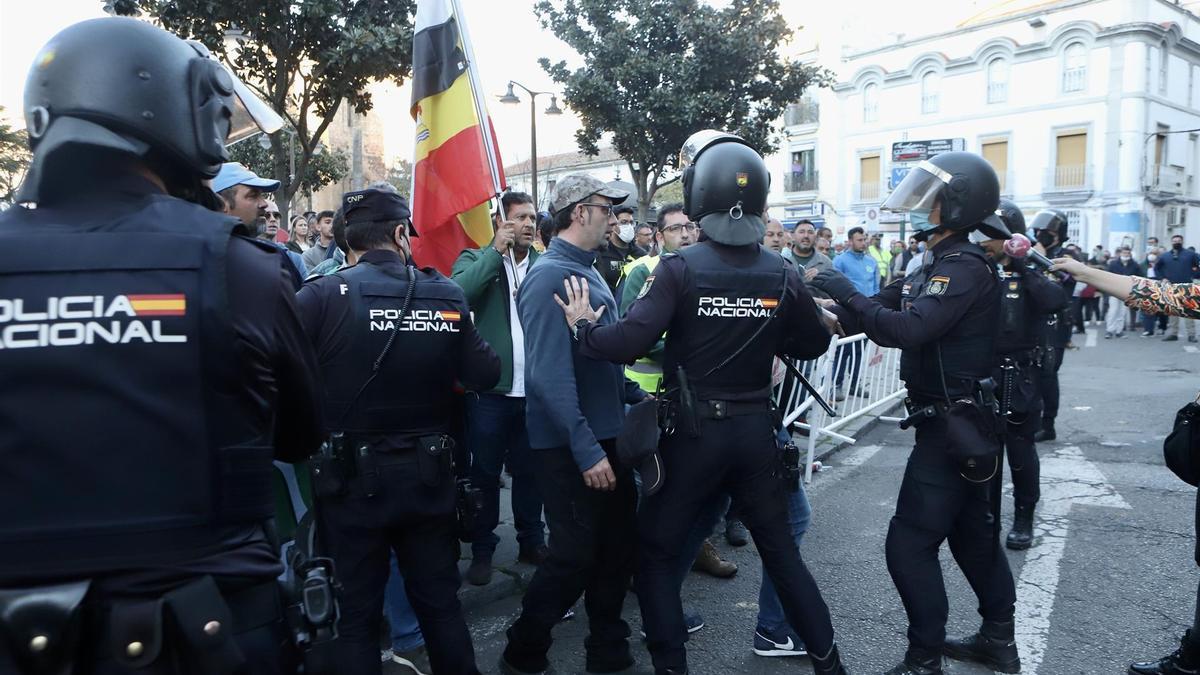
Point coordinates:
pixel 811 389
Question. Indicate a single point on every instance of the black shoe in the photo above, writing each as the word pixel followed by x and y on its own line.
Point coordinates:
pixel 736 533
pixel 509 669
pixel 917 664
pixel 1046 433
pixel 994 646
pixel 533 555
pixel 1020 537
pixel 1182 661
pixel 480 571
pixel 1171 338
pixel 610 662
pixel 830 664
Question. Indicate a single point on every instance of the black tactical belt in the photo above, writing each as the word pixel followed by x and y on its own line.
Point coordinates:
pixel 719 410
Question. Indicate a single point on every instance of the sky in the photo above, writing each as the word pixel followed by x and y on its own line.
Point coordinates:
pixel 508 41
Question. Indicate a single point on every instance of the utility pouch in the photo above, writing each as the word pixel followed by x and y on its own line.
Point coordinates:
pixel 789 470
pixel 435 458
pixel 42 626
pixel 918 415
pixel 973 438
pixel 687 415
pixel 202 627
pixel 468 504
pixel 329 468
pixel 368 470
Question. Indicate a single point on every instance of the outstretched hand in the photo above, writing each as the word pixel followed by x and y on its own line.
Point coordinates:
pixel 578 305
pixel 836 285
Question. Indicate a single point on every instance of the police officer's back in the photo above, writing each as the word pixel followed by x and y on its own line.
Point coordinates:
pixel 153 367
pixel 728 306
pixel 392 340
pixel 945 318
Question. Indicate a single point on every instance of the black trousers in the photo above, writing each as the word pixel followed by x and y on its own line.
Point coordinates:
pixel 1048 386
pixel 1022 424
pixel 736 455
pixel 592 550
pixel 937 504
pixel 418 523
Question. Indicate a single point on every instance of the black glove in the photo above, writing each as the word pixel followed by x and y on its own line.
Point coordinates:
pixel 836 285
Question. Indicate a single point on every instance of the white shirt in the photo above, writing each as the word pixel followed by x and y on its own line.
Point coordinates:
pixel 514 324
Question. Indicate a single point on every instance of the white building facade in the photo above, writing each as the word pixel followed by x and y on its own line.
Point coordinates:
pixel 1090 106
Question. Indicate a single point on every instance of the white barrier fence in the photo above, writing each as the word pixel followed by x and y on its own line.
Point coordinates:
pixel 861 373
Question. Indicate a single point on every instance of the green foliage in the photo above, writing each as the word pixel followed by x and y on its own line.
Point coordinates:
pixel 657 71
pixel 669 193
pixel 304 57
pixel 323 168
pixel 401 176
pixel 14 160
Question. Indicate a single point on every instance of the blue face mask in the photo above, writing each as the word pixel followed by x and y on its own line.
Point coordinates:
pixel 919 218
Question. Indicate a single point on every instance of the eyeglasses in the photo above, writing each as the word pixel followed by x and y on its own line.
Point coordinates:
pixel 690 227
pixel 606 207
pixel 273 215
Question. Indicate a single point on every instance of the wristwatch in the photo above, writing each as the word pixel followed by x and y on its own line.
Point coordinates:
pixel 579 324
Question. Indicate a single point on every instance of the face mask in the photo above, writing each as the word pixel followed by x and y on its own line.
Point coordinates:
pixel 920 219
pixel 626 232
pixel 1178 246
pixel 1126 258
pixel 1045 238
pixel 921 246
pixel 1152 257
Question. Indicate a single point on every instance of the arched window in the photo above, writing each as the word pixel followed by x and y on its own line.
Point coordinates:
pixel 1075 58
pixel 1164 60
pixel 931 92
pixel 871 103
pixel 997 80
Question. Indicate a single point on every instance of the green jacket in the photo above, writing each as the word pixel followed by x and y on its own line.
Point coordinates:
pixel 481 274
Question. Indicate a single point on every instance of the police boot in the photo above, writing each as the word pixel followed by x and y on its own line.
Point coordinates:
pixel 1182 661
pixel 918 663
pixel 830 664
pixel 993 646
pixel 1020 537
pixel 1046 433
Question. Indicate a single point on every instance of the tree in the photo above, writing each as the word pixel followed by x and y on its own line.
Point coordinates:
pixel 657 71
pixel 401 177
pixel 14 160
pixel 303 57
pixel 324 167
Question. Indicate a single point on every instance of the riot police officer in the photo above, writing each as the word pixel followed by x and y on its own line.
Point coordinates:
pixel 392 340
pixel 945 318
pixel 153 364
pixel 727 306
pixel 1050 229
pixel 1027 298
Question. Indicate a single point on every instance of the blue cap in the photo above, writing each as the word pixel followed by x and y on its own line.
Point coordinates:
pixel 236 173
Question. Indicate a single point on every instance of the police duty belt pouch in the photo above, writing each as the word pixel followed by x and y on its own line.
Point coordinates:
pixel 1181 450
pixel 435 459
pixel 973 438
pixel 637 445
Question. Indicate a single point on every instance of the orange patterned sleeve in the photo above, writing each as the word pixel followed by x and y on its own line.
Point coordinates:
pixel 1154 296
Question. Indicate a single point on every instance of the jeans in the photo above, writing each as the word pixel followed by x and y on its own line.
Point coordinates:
pixel 402 620
pixel 850 359
pixel 770 610
pixel 496 432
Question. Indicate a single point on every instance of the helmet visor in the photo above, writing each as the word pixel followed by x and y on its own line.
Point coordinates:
pixel 919 189
pixel 250 114
pixel 698 142
pixel 1046 219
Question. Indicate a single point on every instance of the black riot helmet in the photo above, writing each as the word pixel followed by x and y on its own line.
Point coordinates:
pixel 725 186
pixel 124 86
pixel 962 183
pixel 1053 222
pixel 1011 214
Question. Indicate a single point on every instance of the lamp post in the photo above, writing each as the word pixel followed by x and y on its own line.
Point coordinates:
pixel 553 109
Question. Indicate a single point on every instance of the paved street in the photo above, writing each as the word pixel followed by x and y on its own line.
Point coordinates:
pixel 1110 579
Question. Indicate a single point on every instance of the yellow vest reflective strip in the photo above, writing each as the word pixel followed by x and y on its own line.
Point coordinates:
pixel 647 373
pixel 650 261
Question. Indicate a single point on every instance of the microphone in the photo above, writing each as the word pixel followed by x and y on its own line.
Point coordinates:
pixel 1019 247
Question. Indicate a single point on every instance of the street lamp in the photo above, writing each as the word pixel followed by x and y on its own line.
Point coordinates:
pixel 552 109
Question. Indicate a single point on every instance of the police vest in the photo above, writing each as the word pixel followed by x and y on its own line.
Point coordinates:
pixel 412 392
pixel 1019 327
pixel 119 370
pixel 966 350
pixel 722 308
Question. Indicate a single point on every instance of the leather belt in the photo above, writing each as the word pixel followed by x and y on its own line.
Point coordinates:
pixel 719 410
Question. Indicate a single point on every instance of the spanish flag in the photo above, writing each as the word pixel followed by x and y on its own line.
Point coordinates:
pixel 456 164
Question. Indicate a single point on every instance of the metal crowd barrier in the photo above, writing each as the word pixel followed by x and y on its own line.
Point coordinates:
pixel 867 375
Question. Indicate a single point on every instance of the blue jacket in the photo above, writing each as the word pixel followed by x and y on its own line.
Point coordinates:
pixel 861 269
pixel 1177 266
pixel 571 401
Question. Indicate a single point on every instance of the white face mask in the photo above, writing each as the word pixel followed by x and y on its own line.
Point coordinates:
pixel 626 232
pixel 1125 258
pixel 1152 257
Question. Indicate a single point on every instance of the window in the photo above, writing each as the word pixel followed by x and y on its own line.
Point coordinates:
pixel 1075 227
pixel 1074 67
pixel 871 102
pixel 996 153
pixel 868 176
pixel 1164 59
pixel 931 84
pixel 803 175
pixel 1070 160
pixel 997 80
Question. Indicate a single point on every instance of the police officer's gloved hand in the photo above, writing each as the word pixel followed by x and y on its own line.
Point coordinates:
pixel 836 285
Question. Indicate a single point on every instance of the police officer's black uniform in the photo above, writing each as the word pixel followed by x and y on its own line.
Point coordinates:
pixel 385 480
pixel 153 366
pixel 728 306
pixel 945 318
pixel 1027 299
pixel 1050 228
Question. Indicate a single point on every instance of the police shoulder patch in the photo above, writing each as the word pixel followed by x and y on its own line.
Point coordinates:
pixel 938 285
pixel 646 286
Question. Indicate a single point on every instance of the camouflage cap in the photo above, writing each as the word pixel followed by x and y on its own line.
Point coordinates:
pixel 579 186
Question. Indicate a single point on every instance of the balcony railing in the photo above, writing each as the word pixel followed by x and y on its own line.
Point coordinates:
pixel 1069 177
pixel 803 112
pixel 1170 179
pixel 997 92
pixel 1074 79
pixel 800 182
pixel 868 192
pixel 930 103
pixel 870 112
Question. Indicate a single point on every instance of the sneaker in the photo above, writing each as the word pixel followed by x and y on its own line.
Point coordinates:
pixel 416 661
pixel 779 643
pixel 568 616
pixel 1192 339
pixel 1148 333
pixel 691 622
pixel 1171 338
pixel 385 655
pixel 839 394
pixel 1108 336
pixel 736 533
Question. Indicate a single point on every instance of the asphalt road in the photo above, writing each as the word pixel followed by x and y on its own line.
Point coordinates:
pixel 1110 579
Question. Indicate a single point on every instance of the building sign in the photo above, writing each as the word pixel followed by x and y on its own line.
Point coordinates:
pixel 916 151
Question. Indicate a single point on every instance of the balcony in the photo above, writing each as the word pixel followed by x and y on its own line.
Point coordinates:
pixel 1068 182
pixel 1074 79
pixel 801 113
pixel 1170 180
pixel 867 192
pixel 800 182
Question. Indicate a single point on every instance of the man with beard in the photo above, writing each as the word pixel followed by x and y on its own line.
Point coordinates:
pixel 496 434
pixel 804 252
